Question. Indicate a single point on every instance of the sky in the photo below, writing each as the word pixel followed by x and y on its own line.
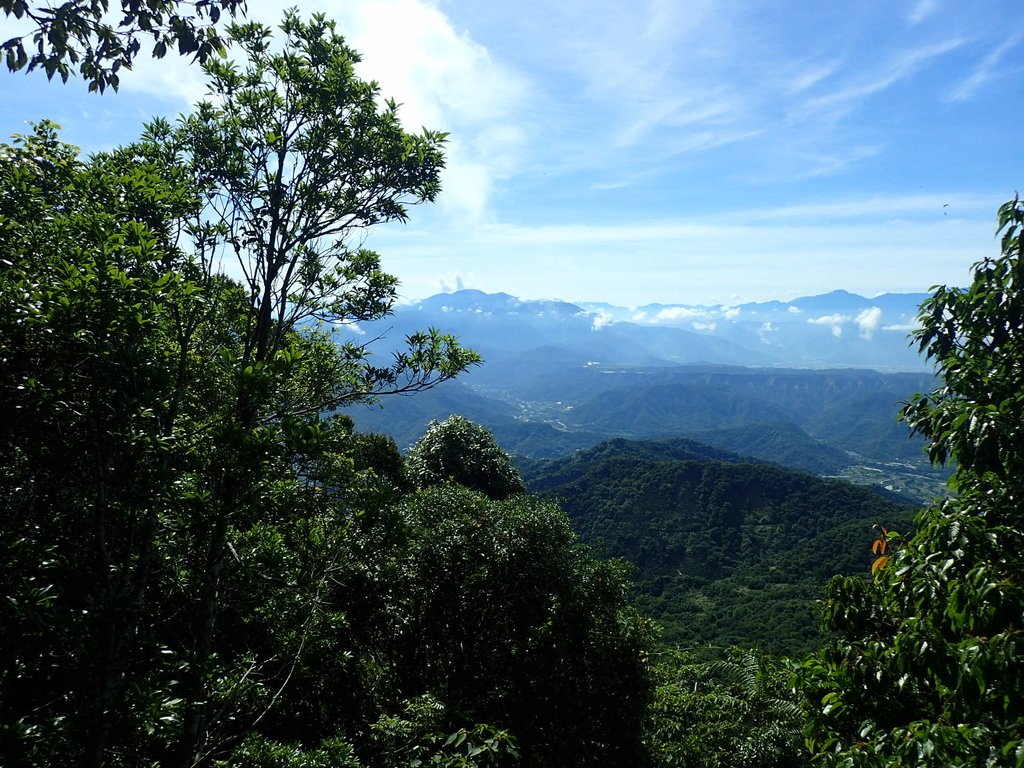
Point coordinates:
pixel 670 151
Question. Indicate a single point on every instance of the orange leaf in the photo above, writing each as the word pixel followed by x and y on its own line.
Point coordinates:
pixel 880 563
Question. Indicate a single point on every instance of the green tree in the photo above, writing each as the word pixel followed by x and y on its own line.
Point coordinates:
pixel 91 289
pixel 929 667
pixel 735 713
pixel 165 425
pixel 499 612
pixel 295 159
pixel 79 33
pixel 457 450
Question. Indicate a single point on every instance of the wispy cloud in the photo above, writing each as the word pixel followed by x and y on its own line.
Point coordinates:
pixel 921 10
pixel 903 246
pixel 986 70
pixel 810 77
pixel 835 162
pixel 874 206
pixel 847 98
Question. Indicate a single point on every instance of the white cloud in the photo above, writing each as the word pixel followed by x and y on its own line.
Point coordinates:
pixel 441 77
pixel 793 310
pixel 450 282
pixel 447 81
pixel 731 313
pixel 869 321
pixel 602 320
pixel 900 327
pixel 765 331
pixel 836 319
pixel 700 325
pixel 352 327
pixel 675 314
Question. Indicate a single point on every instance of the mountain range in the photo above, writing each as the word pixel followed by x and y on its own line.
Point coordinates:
pixel 687 439
pixel 558 377
pixel 837 329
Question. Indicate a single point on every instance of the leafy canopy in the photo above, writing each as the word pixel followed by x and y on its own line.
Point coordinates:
pixel 173 496
pixel 928 667
pixel 457 450
pixel 80 33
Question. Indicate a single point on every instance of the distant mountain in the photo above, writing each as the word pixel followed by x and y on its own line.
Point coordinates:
pixel 727 552
pixel 829 422
pixel 667 408
pixel 848 410
pixel 837 329
pixel 560 376
pixel 779 442
pixel 406 419
pixel 503 327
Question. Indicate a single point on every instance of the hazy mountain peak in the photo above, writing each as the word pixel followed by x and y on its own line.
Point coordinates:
pixel 473 300
pixel 834 329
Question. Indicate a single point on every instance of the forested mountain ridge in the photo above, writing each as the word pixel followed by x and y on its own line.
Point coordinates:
pixel 727 552
pixel 830 422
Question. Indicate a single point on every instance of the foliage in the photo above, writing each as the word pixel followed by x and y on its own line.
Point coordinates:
pixel 505 616
pixel 79 33
pixel 413 739
pixel 457 450
pixel 90 288
pixel 928 666
pixel 199 566
pixel 735 713
pixel 467 630
pixel 259 752
pixel 976 337
pixel 297 158
pixel 163 424
pixel 728 553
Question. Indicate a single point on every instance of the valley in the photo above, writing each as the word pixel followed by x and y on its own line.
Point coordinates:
pixel 735 488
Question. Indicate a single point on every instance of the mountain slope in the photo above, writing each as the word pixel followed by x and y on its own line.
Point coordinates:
pixel 727 552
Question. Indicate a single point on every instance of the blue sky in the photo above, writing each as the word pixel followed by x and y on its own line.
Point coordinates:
pixel 708 151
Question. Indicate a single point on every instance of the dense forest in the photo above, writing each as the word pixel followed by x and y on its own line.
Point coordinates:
pixel 728 553
pixel 203 563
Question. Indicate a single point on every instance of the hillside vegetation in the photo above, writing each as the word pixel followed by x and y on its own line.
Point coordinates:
pixel 203 564
pixel 727 552
pixel 830 423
